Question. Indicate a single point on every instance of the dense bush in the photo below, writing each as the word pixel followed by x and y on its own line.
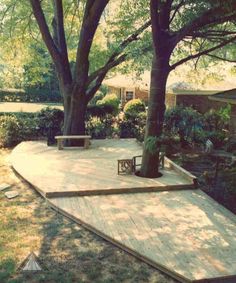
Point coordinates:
pixel 49 122
pixel 98 96
pixel 217 120
pixel 18 127
pixel 101 129
pixel 20 115
pixel 133 128
pixel 110 101
pixel 185 122
pixel 133 107
pixel 218 138
pixel 14 130
pixel 100 110
pixel 10 131
pixel 31 95
pixel 231 145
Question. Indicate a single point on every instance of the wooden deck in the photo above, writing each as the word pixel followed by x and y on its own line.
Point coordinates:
pixel 79 172
pixel 184 233
pixel 181 232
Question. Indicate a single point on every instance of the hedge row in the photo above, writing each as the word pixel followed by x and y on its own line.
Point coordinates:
pixel 29 96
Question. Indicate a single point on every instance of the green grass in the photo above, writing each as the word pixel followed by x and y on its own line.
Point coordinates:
pixel 26 107
pixel 68 252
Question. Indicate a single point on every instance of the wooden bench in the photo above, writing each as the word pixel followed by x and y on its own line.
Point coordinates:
pixel 60 140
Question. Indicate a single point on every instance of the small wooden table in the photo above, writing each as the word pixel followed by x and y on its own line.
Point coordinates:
pixel 60 140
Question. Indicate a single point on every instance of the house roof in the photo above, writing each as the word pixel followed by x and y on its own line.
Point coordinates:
pixel 127 81
pixel 191 92
pixel 228 96
pixel 175 85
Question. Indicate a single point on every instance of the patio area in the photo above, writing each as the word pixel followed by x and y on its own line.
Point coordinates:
pixel 175 228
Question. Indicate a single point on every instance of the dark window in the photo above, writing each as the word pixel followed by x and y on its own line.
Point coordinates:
pixel 129 95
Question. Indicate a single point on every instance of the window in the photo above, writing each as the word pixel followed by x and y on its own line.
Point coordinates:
pixel 129 95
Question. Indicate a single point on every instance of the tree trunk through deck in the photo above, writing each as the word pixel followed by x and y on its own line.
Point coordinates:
pixel 156 111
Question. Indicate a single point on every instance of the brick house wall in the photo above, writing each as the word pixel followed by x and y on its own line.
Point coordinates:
pixel 201 103
pixel 141 94
pixel 193 99
pixel 170 100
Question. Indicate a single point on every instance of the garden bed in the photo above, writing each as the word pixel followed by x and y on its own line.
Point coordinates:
pixel 222 188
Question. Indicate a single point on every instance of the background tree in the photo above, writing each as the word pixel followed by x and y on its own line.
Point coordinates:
pixel 182 30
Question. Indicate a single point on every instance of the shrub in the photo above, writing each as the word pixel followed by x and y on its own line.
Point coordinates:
pixel 50 123
pixel 217 138
pixel 127 129
pixel 231 145
pixel 100 111
pixel 98 96
pixel 31 95
pixel 110 101
pixel 132 128
pixel 10 131
pixel 185 122
pixel 14 129
pixel 133 108
pixel 215 120
pixel 100 129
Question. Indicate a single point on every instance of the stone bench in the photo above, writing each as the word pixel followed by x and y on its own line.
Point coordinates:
pixel 60 140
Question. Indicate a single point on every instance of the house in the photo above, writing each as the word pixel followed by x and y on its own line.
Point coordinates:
pixel 178 93
pixel 197 99
pixel 228 97
pixel 127 88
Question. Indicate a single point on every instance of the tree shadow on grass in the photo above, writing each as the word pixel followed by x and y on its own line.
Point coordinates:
pixel 68 252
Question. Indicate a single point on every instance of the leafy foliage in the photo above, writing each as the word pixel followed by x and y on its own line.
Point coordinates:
pixel 215 120
pixel 183 121
pixel 50 123
pixel 31 95
pixel 133 108
pixel 112 101
pixel 10 131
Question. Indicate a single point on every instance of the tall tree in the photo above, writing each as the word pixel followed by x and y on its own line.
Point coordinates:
pixel 78 86
pixel 182 30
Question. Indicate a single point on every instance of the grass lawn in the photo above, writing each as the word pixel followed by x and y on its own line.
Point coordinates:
pixel 26 107
pixel 68 251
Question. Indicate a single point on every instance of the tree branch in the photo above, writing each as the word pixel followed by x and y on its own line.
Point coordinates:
pixel 101 73
pixel 47 38
pixel 201 53
pixel 121 48
pixel 221 58
pixel 212 16
pixel 61 39
pixel 176 11
pixel 59 19
pixel 92 15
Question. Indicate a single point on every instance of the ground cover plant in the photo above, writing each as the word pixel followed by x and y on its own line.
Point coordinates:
pixel 69 253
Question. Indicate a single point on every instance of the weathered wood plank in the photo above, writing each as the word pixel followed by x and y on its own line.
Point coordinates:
pixel 181 232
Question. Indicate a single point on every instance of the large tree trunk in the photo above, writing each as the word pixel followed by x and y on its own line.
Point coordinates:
pixel 156 111
pixel 75 106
